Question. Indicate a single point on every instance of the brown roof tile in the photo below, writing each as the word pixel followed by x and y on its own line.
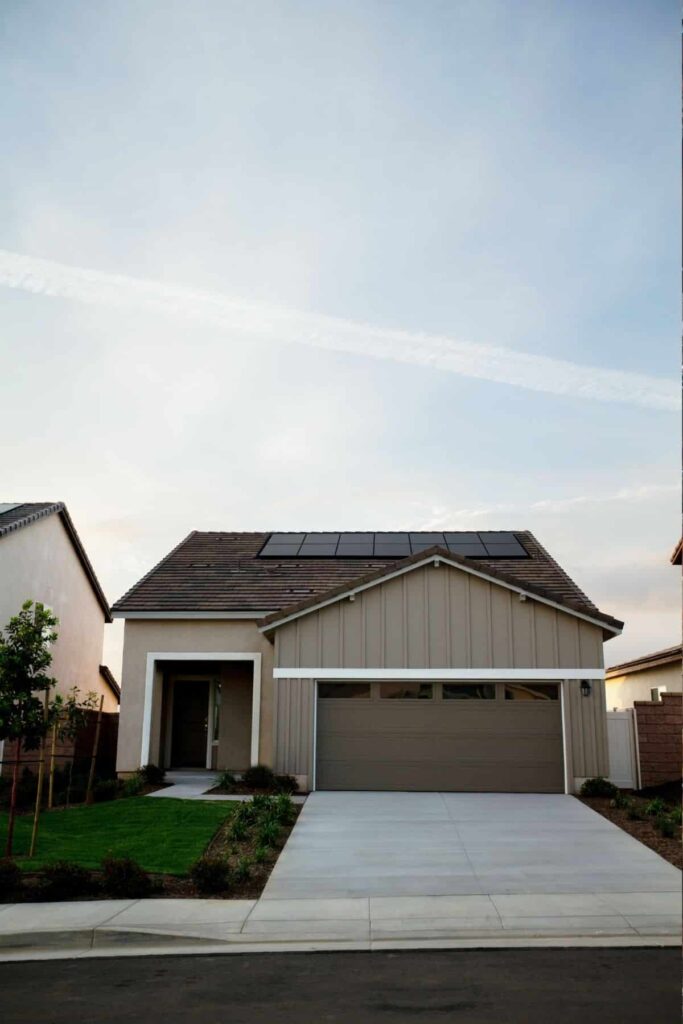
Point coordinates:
pixel 221 572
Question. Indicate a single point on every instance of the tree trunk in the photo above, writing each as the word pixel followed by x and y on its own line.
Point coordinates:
pixel 51 784
pixel 13 801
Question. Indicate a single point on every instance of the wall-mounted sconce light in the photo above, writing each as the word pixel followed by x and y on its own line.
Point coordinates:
pixel 586 688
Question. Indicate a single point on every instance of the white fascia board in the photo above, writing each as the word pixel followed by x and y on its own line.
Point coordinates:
pixel 191 615
pixel 438 560
pixel 443 674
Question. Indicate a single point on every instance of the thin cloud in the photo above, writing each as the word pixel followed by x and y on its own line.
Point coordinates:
pixel 485 362
pixel 445 517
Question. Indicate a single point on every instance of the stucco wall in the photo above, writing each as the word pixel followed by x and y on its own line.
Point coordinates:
pixel 438 618
pixel 38 562
pixel 622 691
pixel 184 636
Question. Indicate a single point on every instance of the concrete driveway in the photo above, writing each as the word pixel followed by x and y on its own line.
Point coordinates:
pixel 449 844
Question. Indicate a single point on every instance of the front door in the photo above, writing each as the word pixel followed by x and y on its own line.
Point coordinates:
pixel 190 723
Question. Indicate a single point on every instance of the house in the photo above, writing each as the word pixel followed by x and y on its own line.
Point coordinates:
pixel 386 661
pixel 644 678
pixel 42 559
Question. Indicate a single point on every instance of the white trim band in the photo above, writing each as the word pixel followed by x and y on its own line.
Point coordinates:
pixel 371 674
pixel 250 616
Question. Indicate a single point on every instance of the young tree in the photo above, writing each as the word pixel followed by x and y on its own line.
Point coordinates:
pixel 26 708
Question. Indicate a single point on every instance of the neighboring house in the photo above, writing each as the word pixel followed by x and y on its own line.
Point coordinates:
pixel 415 661
pixel 644 678
pixel 43 559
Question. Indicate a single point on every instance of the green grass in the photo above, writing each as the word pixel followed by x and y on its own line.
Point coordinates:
pixel 162 835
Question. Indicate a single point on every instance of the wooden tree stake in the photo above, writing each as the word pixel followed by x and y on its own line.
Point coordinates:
pixel 96 743
pixel 51 783
pixel 39 786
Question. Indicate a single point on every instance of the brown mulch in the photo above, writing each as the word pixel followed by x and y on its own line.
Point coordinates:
pixel 239 789
pixel 644 831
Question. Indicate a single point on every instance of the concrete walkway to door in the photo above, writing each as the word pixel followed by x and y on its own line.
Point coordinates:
pixel 527 846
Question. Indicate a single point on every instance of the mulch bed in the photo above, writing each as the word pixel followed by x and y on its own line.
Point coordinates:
pixel 644 831
pixel 241 790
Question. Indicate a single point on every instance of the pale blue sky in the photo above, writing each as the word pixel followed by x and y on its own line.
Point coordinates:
pixel 501 174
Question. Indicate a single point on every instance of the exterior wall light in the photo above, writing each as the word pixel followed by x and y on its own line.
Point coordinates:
pixel 586 688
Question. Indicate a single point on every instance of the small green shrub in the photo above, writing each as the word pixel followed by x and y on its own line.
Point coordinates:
pixel 284 809
pixel 262 804
pixel 260 855
pixel 123 877
pixel 665 825
pixel 621 801
pixel 676 814
pixel 133 785
pixel 245 813
pixel 268 834
pixel 211 875
pixel 242 869
pixel 226 780
pixel 599 787
pixel 152 774
pixel 106 789
pixel 655 807
pixel 10 879
pixel 64 881
pixel 634 813
pixel 238 829
pixel 259 777
pixel 286 784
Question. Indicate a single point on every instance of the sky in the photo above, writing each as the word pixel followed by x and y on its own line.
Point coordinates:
pixel 347 265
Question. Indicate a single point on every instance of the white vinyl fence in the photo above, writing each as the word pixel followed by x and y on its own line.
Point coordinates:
pixel 623 749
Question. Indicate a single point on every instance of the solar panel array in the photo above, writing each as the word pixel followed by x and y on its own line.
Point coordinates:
pixel 390 545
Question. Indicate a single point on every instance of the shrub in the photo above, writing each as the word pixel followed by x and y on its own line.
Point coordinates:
pixel 676 814
pixel 238 829
pixel 268 834
pixel 10 879
pixel 243 869
pixel 599 787
pixel 655 807
pixel 621 801
pixel 262 804
pixel 665 825
pixel 133 785
pixel 259 777
pixel 211 875
pixel 152 774
pixel 284 809
pixel 634 813
pixel 286 784
pixel 123 877
pixel 106 789
pixel 226 780
pixel 260 855
pixel 245 813
pixel 63 881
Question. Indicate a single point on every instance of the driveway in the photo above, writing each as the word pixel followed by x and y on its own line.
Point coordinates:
pixel 452 844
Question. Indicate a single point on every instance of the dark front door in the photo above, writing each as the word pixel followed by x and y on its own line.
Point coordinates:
pixel 190 722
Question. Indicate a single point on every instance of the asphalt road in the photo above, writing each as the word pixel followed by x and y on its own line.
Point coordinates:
pixel 588 986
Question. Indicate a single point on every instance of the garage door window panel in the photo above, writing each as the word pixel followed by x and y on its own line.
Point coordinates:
pixel 406 691
pixel 469 691
pixel 532 691
pixel 344 691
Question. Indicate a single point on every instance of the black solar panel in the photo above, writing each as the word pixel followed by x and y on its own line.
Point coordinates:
pixel 468 544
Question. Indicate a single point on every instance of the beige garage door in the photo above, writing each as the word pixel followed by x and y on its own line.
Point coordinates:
pixel 457 737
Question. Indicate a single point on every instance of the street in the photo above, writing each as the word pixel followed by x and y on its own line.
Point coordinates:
pixel 590 986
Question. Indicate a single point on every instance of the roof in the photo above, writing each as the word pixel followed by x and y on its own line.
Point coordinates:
pixel 108 677
pixel 221 573
pixel 18 516
pixel 665 657
pixel 677 554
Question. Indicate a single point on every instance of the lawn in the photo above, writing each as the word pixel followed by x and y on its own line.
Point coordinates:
pixel 164 836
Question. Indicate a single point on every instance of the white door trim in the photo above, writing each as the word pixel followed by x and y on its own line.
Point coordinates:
pixel 426 674
pixel 155 656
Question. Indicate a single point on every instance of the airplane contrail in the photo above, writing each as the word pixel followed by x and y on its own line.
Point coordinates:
pixel 468 359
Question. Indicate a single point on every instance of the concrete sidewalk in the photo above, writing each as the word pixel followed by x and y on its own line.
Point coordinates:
pixel 145 927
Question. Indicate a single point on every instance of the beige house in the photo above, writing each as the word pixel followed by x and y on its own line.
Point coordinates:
pixel 644 678
pixel 43 559
pixel 378 661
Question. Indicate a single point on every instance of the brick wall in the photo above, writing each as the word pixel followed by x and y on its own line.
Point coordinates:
pixel 659 726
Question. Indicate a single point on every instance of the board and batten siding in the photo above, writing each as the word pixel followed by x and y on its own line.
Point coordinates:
pixel 438 617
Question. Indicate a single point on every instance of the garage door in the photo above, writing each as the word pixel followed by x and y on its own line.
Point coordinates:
pixel 457 737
